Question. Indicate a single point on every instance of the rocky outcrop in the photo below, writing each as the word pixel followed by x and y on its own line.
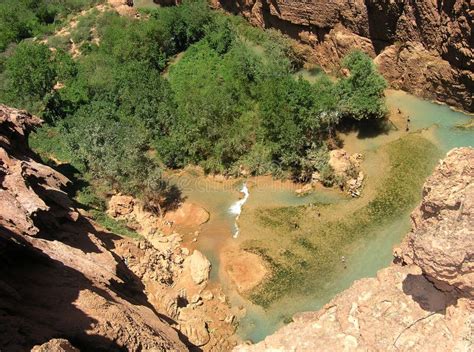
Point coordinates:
pixel 424 47
pixel 199 267
pixel 187 216
pixel 64 278
pixel 55 345
pixel 423 302
pixel 175 280
pixel 347 170
pixel 441 242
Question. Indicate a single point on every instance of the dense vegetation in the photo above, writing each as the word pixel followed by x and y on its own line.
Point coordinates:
pixel 126 107
pixel 20 19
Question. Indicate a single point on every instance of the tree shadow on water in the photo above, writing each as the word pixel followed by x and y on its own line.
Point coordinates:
pixel 173 197
pixel 368 128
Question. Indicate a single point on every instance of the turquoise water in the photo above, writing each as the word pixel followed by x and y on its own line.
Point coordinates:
pixel 368 256
pixel 374 252
pixel 425 114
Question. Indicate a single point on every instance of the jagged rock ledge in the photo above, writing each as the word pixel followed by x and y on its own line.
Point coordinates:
pixel 422 302
pixel 65 277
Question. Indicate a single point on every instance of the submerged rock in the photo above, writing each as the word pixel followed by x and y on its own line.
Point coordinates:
pixel 423 303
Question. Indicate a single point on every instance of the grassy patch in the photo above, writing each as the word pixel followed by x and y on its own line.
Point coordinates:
pixel 49 143
pixel 285 217
pixel 312 253
pixel 118 227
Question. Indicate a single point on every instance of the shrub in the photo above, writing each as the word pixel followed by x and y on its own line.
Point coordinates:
pixel 30 73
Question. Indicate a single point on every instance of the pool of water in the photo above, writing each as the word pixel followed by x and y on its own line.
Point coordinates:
pixel 425 114
pixel 366 256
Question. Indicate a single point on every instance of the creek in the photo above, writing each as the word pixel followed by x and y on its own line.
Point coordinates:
pixel 232 224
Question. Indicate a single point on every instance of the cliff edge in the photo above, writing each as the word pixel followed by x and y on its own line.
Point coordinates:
pixel 59 277
pixel 67 284
pixel 422 302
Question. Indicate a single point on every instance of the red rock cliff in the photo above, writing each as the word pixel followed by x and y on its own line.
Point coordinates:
pixel 424 47
pixel 59 276
pixel 67 283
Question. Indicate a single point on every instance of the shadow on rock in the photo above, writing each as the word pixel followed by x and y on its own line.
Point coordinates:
pixel 38 296
pixel 426 294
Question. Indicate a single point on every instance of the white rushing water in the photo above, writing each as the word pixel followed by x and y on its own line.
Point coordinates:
pixel 236 208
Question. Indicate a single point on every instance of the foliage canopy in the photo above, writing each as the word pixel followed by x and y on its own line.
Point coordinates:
pixel 181 85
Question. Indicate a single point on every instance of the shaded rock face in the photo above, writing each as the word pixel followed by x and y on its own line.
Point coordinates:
pixel 422 303
pixel 60 277
pixel 424 47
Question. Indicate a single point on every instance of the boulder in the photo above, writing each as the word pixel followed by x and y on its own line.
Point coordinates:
pixel 441 241
pixel 199 267
pixel 55 345
pixel 340 162
pixel 347 170
pixel 120 205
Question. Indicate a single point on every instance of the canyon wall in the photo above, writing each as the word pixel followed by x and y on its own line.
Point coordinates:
pixel 59 277
pixel 424 47
pixel 422 302
pixel 67 283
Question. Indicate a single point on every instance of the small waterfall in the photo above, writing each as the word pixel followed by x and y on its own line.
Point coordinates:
pixel 236 208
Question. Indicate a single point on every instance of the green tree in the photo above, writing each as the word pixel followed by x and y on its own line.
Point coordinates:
pixel 30 74
pixel 362 93
pixel 16 22
pixel 114 152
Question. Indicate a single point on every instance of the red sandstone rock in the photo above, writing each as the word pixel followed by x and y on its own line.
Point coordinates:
pixel 424 47
pixel 55 345
pixel 441 241
pixel 59 275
